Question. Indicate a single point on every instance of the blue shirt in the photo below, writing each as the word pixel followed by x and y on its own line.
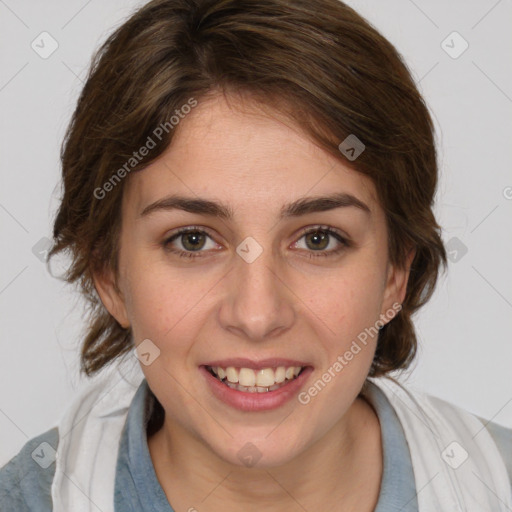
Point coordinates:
pixel 25 486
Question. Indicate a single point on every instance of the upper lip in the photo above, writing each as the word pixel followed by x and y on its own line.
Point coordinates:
pixel 242 362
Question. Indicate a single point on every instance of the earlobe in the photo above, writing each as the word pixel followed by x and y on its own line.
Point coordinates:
pixel 111 296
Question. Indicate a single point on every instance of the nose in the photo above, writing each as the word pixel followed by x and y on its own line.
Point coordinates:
pixel 258 304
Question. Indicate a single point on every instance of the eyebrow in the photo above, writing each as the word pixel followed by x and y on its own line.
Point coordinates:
pixel 297 208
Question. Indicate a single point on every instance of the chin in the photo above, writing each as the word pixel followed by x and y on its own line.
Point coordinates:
pixel 262 452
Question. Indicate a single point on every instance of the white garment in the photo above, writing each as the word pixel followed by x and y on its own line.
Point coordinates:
pixel 456 463
pixel 439 436
pixel 89 437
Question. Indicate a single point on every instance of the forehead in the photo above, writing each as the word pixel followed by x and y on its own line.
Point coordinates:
pixel 246 156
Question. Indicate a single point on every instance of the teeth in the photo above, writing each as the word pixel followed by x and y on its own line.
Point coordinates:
pixel 280 374
pixel 256 381
pixel 265 377
pixel 246 377
pixel 232 374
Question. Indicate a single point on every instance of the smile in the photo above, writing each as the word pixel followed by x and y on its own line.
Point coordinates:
pixel 255 381
pixel 255 385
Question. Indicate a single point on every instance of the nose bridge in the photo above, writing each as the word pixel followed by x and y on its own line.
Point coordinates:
pixel 257 302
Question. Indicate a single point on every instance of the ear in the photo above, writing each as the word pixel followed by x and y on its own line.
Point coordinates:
pixel 396 283
pixel 111 296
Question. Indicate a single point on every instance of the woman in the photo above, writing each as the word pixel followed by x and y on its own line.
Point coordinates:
pixel 248 191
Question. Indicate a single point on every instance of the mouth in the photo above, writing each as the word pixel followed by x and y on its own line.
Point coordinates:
pixel 253 386
pixel 249 380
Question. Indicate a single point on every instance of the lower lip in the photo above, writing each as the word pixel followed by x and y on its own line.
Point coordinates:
pixel 255 401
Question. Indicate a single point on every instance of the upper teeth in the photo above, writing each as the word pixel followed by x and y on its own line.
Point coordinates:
pixel 265 377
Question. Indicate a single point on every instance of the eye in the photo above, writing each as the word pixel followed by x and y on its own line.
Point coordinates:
pixel 320 238
pixel 191 239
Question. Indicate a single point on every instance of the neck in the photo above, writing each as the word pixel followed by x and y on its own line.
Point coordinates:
pixel 341 471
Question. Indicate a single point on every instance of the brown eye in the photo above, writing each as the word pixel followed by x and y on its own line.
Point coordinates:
pixel 193 241
pixel 189 243
pixel 322 241
pixel 317 240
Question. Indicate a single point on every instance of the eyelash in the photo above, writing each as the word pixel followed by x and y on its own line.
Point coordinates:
pixel 345 243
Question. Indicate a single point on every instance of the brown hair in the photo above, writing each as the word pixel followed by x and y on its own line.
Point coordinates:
pixel 316 61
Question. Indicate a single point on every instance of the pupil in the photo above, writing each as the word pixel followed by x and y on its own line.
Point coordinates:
pixel 196 239
pixel 318 236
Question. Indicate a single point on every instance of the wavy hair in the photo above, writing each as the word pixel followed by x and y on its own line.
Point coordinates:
pixel 316 61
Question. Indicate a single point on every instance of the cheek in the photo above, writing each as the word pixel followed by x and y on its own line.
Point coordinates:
pixel 156 304
pixel 162 303
pixel 348 309
pixel 348 300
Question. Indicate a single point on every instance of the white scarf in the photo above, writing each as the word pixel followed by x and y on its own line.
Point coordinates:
pixel 440 436
pixel 456 463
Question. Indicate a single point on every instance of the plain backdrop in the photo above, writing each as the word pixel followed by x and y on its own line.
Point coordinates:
pixel 465 352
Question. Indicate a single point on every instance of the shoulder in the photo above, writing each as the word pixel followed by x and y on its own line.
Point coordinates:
pixel 25 481
pixel 454 416
pixel 502 436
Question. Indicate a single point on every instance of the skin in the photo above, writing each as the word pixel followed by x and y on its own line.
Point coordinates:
pixel 327 453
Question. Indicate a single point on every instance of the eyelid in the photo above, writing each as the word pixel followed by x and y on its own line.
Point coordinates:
pixel 343 240
pixel 324 227
pixel 187 229
pixel 340 236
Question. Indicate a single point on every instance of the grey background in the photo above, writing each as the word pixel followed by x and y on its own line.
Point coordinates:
pixel 465 344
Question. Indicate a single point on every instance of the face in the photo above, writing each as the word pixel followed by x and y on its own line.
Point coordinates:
pixel 265 278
